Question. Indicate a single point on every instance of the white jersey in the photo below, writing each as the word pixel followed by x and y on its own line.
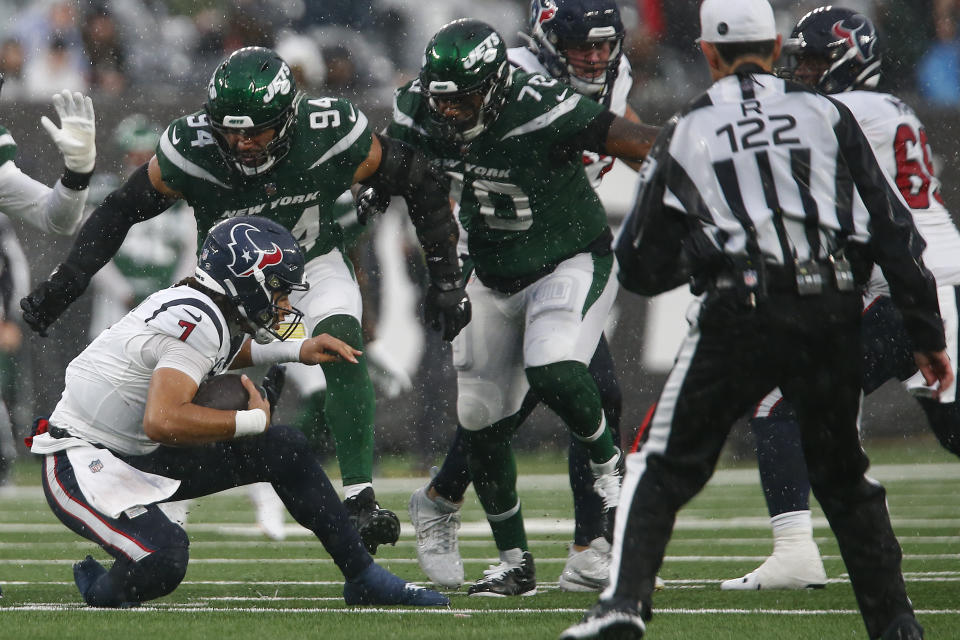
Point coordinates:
pixel 595 165
pixel 106 385
pixel 57 210
pixel 903 151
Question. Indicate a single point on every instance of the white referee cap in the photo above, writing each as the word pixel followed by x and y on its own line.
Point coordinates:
pixel 737 21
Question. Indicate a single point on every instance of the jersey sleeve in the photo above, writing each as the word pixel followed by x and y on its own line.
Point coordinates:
pixel 8 146
pixel 339 132
pixel 407 104
pixel 185 152
pixel 193 322
pixel 174 354
pixel 548 109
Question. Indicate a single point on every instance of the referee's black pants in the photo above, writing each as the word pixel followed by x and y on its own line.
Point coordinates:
pixel 808 346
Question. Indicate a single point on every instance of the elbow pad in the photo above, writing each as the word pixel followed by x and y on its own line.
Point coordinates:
pixel 407 172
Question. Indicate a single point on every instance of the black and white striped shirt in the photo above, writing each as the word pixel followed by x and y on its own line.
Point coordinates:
pixel 762 168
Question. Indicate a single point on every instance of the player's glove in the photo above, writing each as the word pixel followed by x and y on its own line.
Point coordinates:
pixel 447 309
pixel 51 297
pixel 75 136
pixel 370 203
pixel 272 384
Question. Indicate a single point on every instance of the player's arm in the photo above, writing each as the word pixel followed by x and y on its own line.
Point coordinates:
pixel 143 196
pixel 632 116
pixel 171 418
pixel 616 136
pixel 319 349
pixel 395 168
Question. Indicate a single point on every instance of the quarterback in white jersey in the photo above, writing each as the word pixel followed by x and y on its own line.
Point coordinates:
pixel 61 207
pixel 130 431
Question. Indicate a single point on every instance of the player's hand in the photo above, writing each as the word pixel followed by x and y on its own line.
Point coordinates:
pixel 370 203
pixel 256 401
pixel 326 348
pixel 387 374
pixel 935 367
pixel 447 310
pixel 76 135
pixel 51 297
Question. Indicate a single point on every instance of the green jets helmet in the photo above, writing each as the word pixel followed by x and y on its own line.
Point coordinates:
pixel 253 90
pixel 466 58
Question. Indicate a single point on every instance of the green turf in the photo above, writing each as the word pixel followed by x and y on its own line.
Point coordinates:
pixel 241 585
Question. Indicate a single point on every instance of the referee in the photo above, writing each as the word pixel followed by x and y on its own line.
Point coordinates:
pixel 768 198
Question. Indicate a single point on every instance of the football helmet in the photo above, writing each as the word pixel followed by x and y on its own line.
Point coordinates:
pixel 556 26
pixel 465 64
pixel 248 259
pixel 253 90
pixel 833 50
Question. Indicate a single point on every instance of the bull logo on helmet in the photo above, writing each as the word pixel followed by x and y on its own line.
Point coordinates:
pixel 249 254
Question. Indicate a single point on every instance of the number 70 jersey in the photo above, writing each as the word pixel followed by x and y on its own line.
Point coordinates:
pixel 329 140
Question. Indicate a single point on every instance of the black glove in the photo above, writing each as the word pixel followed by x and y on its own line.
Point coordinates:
pixel 370 202
pixel 447 310
pixel 272 384
pixel 52 297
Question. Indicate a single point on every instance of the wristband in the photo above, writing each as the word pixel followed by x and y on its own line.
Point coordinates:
pixel 250 423
pixel 276 351
pixel 75 181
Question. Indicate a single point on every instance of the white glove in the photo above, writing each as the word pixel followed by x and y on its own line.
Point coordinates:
pixel 75 137
pixel 385 372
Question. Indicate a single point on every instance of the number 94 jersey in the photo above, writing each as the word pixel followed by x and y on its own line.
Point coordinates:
pixel 525 203
pixel 330 138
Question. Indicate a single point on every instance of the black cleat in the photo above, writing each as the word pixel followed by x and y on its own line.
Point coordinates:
pixel 504 580
pixel 376 526
pixel 88 571
pixel 903 627
pixel 608 621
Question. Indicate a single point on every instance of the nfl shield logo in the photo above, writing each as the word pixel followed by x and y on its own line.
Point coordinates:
pixel 96 466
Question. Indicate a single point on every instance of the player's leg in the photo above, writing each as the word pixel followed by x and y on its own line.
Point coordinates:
pixel 150 552
pixel 332 305
pixel 565 315
pixel 588 562
pixel 795 562
pixel 491 387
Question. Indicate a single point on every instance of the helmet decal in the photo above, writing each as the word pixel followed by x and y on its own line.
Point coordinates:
pixel 279 85
pixel 486 50
pixel 253 256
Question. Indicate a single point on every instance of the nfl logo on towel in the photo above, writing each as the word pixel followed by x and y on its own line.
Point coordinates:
pixel 96 466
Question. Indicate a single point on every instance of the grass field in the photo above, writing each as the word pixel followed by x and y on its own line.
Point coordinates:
pixel 241 585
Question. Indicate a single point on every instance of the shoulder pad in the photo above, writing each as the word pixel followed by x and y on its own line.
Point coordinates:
pixel 187 148
pixel 187 315
pixel 8 146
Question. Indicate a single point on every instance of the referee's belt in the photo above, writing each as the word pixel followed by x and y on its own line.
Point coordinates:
pixel 803 278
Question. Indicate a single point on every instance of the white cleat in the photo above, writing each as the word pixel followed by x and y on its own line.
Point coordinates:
pixel 436 523
pixel 791 566
pixel 587 570
pixel 270 510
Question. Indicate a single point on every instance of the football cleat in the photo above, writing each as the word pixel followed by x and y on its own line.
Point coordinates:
pixel 506 579
pixel 609 621
pixel 377 586
pixel 376 526
pixel 88 571
pixel 903 627
pixel 436 523
pixel 794 564
pixel 587 570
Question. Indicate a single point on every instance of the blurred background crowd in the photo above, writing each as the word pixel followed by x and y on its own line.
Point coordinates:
pixel 147 61
pixel 159 48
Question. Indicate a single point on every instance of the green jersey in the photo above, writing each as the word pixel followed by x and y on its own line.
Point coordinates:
pixel 331 137
pixel 8 148
pixel 525 207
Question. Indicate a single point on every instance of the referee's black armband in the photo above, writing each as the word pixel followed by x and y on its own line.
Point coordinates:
pixel 593 137
pixel 75 181
pixel 102 234
pixel 407 172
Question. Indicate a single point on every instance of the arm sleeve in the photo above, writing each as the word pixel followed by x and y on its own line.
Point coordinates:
pixel 174 354
pixel 895 244
pixel 101 235
pixel 56 210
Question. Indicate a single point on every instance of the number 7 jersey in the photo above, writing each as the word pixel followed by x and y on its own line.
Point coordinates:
pixel 525 204
pixel 330 138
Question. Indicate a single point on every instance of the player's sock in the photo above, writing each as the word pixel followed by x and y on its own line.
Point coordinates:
pixel 349 409
pixel 454 477
pixel 494 472
pixel 569 390
pixel 783 469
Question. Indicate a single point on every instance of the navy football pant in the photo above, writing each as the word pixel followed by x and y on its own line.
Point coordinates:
pixel 454 476
pixel 151 551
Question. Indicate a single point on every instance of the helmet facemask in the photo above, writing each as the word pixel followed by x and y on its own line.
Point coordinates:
pixel 272 152
pixel 487 100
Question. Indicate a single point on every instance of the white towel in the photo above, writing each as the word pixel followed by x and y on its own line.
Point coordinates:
pixel 111 486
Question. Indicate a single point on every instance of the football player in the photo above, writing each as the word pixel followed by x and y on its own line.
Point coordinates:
pixel 126 434
pixel 261 147
pixel 579 42
pixel 837 51
pixel 542 281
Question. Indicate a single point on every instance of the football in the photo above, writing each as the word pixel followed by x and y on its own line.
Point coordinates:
pixel 225 392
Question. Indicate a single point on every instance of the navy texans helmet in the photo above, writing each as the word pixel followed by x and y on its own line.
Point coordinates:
pixel 249 259
pixel 558 25
pixel 833 50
